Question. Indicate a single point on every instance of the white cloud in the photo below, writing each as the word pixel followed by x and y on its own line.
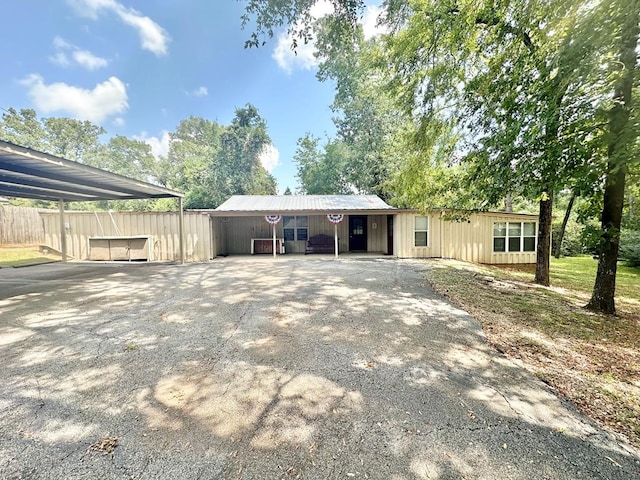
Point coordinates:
pixel 153 37
pixel 199 92
pixel 288 60
pixel 89 60
pixel 83 58
pixel 60 58
pixel 159 145
pixel 270 157
pixel 370 26
pixel 61 43
pixel 118 122
pixel 105 100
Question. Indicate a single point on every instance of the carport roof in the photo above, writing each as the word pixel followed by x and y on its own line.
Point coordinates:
pixel 303 204
pixel 28 173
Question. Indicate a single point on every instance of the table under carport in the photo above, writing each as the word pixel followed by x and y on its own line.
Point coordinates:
pixel 28 173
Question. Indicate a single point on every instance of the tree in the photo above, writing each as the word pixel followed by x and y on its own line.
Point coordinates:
pixel 514 80
pixel 321 172
pixel 189 163
pixel 22 128
pixel 72 139
pixel 211 162
pixel 623 18
pixel 287 191
pixel 366 118
pixel 238 165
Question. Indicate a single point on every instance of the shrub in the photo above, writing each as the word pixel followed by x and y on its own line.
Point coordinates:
pixel 572 241
pixel 630 247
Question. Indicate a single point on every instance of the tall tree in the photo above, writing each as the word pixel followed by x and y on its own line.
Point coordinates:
pixel 238 166
pixel 73 139
pixel 623 18
pixel 188 166
pixel 22 128
pixel 321 169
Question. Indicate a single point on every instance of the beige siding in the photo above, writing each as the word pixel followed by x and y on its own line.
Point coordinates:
pixel 236 233
pixel 164 227
pixel 470 240
pixel 404 238
pixel 487 221
pixel 377 233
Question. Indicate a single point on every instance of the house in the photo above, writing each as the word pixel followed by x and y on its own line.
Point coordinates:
pixel 246 224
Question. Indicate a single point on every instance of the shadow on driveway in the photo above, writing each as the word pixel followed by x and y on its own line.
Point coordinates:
pixel 255 368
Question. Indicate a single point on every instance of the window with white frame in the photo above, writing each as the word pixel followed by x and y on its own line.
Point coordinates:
pixel 421 232
pixel 295 228
pixel 514 236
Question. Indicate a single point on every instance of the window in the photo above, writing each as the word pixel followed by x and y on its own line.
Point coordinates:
pixel 514 237
pixel 421 231
pixel 295 228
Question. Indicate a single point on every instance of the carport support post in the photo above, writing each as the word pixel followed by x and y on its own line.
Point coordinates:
pixel 335 237
pixel 181 229
pixel 63 232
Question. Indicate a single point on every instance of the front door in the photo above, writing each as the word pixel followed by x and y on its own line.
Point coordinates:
pixel 357 233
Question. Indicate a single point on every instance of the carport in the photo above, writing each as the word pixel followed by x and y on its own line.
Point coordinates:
pixel 28 173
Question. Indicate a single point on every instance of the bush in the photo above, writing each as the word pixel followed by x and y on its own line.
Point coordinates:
pixel 630 247
pixel 572 241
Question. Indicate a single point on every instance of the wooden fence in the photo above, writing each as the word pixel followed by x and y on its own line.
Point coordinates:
pixel 20 226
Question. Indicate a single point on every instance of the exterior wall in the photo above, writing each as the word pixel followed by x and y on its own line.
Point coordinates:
pixel 164 227
pixel 403 236
pixel 486 221
pixel 233 234
pixel 470 241
pixel 376 233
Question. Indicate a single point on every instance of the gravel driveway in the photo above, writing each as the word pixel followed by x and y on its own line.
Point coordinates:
pixel 255 368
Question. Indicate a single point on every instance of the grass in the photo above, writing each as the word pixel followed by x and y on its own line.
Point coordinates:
pixel 592 359
pixel 20 256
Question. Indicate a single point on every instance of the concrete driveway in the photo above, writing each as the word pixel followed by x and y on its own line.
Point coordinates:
pixel 255 368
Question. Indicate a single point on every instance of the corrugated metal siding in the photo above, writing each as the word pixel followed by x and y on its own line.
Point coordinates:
pixel 238 232
pixel 163 226
pixel 377 233
pixel 403 237
pixel 470 241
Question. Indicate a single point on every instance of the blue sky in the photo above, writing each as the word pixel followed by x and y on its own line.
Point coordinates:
pixel 137 68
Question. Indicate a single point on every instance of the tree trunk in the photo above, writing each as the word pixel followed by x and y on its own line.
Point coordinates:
pixel 563 227
pixel 603 296
pixel 544 240
pixel 508 203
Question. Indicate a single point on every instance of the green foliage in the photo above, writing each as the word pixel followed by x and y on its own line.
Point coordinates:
pixel 572 240
pixel 211 162
pixel 322 172
pixel 207 161
pixel 630 247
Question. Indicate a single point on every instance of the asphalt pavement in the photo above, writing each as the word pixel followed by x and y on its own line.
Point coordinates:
pixel 261 368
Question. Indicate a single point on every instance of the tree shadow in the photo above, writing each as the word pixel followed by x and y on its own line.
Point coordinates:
pixel 254 368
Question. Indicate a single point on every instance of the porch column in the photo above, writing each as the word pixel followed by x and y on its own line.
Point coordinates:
pixel 63 232
pixel 335 237
pixel 181 229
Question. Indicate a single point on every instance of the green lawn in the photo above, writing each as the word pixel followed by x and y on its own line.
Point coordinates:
pixel 579 273
pixel 24 255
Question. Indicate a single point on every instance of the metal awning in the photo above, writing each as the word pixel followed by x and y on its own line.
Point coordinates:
pixel 28 173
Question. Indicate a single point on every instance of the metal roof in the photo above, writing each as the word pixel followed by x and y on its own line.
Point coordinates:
pixel 267 204
pixel 28 173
